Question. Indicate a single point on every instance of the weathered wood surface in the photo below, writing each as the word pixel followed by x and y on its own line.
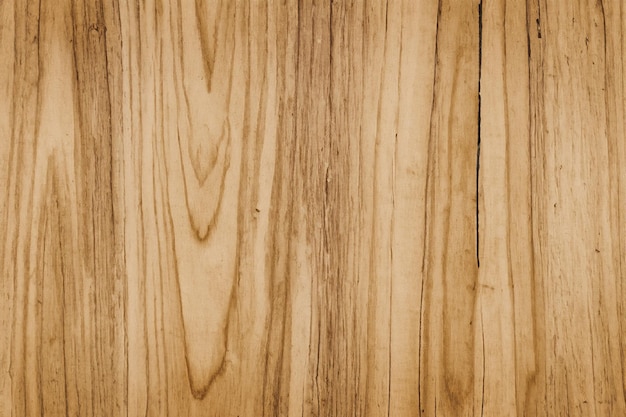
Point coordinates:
pixel 313 208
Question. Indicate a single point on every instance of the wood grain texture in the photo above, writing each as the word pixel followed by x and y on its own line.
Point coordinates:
pixel 312 208
pixel 552 178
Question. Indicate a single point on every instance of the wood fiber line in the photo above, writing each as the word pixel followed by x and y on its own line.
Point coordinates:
pixel 276 208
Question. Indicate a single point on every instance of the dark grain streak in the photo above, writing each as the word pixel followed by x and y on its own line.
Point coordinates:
pixel 480 62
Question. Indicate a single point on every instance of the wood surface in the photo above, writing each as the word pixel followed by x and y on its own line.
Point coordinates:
pixel 243 208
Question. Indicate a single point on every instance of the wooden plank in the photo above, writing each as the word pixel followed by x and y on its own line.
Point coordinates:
pixel 552 174
pixel 324 208
pixel 207 231
pixel 315 244
pixel 63 331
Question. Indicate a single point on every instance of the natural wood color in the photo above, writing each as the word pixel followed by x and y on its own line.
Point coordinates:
pixel 553 186
pixel 312 208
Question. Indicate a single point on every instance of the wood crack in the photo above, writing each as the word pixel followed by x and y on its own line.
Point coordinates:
pixel 480 63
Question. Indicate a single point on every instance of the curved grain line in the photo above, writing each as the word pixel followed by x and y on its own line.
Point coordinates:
pixel 203 235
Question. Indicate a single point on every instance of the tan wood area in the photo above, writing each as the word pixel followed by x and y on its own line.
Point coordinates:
pixel 247 208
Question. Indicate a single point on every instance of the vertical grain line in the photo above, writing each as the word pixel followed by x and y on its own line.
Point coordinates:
pixel 480 64
pixel 393 191
pixel 393 200
pixel 482 332
pixel 426 229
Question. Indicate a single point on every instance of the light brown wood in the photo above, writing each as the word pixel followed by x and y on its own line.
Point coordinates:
pixel 553 232
pixel 322 208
